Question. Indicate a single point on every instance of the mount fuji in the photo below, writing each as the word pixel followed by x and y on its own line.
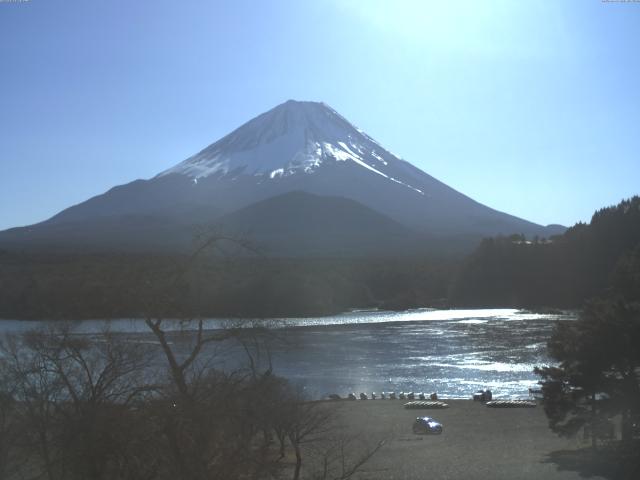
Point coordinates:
pixel 298 180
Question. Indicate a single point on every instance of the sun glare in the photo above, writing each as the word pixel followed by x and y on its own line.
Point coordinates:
pixel 456 25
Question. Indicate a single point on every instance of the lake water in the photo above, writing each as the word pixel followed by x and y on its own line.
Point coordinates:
pixel 451 352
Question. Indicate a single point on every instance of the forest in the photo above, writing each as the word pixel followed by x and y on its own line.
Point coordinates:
pixel 586 261
pixel 510 271
pixel 117 286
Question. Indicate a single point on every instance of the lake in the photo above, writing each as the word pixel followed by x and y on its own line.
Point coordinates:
pixel 451 352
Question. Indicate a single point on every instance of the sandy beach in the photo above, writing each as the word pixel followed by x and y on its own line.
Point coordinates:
pixel 477 443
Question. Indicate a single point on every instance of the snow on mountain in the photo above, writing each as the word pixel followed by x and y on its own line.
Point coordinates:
pixel 293 138
pixel 303 147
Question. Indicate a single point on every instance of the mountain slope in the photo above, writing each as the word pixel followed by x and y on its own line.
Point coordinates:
pixel 295 147
pixel 298 223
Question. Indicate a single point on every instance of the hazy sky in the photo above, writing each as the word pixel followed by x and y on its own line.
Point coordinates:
pixel 530 107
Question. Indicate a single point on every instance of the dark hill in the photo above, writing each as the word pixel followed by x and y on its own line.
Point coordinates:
pixel 299 223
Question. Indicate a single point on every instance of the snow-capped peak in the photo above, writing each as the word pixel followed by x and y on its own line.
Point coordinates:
pixel 292 138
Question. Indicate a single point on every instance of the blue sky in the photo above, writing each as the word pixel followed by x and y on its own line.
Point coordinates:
pixel 530 107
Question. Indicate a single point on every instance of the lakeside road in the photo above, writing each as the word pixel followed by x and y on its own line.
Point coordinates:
pixel 477 443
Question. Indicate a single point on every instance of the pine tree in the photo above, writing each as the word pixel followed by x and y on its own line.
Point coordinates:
pixel 598 374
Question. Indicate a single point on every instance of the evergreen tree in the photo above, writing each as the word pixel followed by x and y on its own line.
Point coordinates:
pixel 598 374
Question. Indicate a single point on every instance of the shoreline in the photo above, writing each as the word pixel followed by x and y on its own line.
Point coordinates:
pixel 454 356
pixel 478 442
pixel 368 317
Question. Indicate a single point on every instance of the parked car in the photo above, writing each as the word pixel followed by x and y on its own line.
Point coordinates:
pixel 483 395
pixel 426 425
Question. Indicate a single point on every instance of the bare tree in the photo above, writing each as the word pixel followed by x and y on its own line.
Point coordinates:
pixel 220 424
pixel 75 400
pixel 314 430
pixel 106 406
pixel 341 455
pixel 9 430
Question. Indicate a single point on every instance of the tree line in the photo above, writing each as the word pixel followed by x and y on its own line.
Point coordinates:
pixel 509 271
pixel 593 387
pixel 40 285
pixel 564 271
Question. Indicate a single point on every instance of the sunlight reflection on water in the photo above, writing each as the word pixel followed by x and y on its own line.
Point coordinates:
pixel 452 352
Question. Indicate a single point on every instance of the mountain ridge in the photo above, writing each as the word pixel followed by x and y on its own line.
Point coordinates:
pixel 296 146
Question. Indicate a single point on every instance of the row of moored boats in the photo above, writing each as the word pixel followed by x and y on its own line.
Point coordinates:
pixel 387 395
